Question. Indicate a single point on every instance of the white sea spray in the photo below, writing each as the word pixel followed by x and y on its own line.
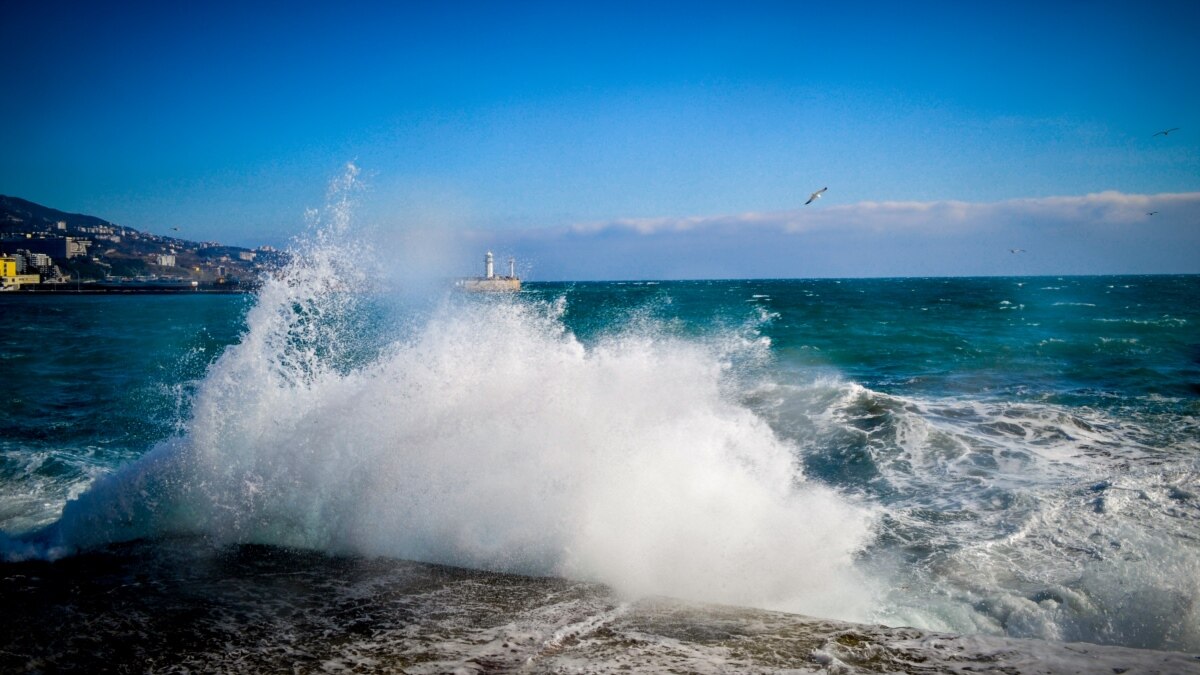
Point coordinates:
pixel 486 435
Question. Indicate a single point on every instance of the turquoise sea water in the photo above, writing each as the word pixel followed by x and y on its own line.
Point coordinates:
pixel 1007 456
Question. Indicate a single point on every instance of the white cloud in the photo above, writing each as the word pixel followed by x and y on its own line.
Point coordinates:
pixel 1101 233
pixel 1109 207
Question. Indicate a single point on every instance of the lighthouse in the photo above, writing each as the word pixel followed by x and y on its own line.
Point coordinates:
pixel 489 281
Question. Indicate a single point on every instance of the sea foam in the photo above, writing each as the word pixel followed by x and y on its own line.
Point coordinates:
pixel 485 434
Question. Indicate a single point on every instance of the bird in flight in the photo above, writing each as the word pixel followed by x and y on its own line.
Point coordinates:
pixel 1150 213
pixel 1166 131
pixel 815 196
pixel 1016 250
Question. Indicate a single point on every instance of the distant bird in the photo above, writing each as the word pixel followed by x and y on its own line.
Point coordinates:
pixel 815 196
pixel 175 228
pixel 1016 250
pixel 1150 213
pixel 1166 132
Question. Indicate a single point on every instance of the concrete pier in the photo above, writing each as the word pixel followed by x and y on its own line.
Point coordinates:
pixel 490 281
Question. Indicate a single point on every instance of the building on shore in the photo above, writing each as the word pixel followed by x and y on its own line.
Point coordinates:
pixel 56 247
pixel 11 279
pixel 490 281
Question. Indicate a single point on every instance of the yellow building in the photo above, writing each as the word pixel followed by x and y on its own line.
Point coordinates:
pixel 10 280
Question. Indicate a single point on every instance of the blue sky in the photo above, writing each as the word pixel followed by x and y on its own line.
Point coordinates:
pixel 630 140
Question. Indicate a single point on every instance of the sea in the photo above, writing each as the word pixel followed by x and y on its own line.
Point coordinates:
pixel 335 474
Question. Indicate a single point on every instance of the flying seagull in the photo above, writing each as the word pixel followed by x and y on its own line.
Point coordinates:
pixel 815 196
pixel 1016 250
pixel 1166 132
pixel 1150 213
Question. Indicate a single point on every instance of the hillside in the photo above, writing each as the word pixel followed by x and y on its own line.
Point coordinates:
pixel 114 251
pixel 17 214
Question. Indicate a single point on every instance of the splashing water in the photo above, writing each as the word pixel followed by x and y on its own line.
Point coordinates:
pixel 606 433
pixel 487 436
pixel 1028 520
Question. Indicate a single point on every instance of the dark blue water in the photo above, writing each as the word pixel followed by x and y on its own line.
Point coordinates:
pixel 1013 456
pixel 1003 337
pixel 93 382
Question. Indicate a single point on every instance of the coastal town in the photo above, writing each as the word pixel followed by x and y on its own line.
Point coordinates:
pixel 43 249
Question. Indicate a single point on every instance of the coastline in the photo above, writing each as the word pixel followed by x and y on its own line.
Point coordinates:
pixel 127 291
pixel 123 289
pixel 156 605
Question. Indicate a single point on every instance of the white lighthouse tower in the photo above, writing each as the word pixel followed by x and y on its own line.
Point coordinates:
pixel 491 282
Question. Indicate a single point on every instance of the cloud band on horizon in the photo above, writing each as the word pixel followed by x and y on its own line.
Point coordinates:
pixel 1100 233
